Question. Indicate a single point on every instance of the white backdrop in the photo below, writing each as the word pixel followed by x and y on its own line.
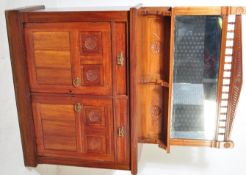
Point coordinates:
pixel 181 160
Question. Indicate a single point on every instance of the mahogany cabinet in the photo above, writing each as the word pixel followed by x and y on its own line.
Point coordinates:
pixel 71 80
pixel 91 85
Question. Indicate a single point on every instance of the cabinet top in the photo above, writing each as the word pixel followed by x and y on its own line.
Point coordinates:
pixel 85 9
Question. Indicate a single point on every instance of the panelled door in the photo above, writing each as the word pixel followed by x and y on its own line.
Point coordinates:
pixel 74 127
pixel 70 57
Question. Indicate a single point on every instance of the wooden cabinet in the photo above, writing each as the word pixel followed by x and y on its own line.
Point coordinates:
pixel 74 73
pixel 91 85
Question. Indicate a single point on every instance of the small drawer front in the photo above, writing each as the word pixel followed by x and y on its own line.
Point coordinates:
pixel 72 127
pixel 70 58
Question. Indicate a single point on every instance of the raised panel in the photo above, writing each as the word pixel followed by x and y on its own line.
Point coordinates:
pixel 95 59
pixel 48 76
pixel 49 57
pixel 58 128
pixel 96 144
pixel 91 43
pixel 55 125
pixel 94 116
pixel 92 75
pixel 51 40
pixel 60 143
pixel 52 59
pixel 57 112
pixel 97 130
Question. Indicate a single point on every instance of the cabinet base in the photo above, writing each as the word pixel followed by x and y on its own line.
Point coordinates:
pixel 81 163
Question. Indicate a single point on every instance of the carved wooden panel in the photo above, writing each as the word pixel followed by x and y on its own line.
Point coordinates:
pixel 96 144
pixel 92 75
pixel 97 129
pixel 153 73
pixel 94 116
pixel 152 113
pixel 95 59
pixel 91 43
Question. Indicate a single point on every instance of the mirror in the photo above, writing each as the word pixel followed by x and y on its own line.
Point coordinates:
pixel 195 76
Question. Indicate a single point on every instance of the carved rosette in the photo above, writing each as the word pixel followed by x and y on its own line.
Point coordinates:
pixel 156 112
pixel 94 116
pixel 95 144
pixel 155 47
pixel 239 10
pixel 92 75
pixel 91 43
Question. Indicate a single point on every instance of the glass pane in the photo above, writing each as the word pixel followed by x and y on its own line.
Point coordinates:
pixel 195 75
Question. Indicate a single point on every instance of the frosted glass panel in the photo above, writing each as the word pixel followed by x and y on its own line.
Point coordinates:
pixel 195 75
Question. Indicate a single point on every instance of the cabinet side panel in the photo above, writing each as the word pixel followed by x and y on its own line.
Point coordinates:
pixel 22 89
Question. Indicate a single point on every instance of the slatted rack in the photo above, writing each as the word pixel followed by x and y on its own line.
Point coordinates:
pixel 231 81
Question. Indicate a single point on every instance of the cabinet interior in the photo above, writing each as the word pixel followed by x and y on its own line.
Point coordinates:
pixel 153 31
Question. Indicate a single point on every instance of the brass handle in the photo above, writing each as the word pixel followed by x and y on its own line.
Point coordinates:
pixel 77 107
pixel 120 59
pixel 76 82
pixel 121 132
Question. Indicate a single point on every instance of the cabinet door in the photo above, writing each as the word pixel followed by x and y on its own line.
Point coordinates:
pixel 56 125
pixel 69 57
pixel 69 127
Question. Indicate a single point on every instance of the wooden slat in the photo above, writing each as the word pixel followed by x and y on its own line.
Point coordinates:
pixel 52 59
pixel 51 41
pixel 236 76
pixel 61 16
pixel 221 70
pixel 133 90
pixel 190 142
pixel 197 10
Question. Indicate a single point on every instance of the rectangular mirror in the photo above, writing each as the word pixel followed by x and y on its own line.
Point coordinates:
pixel 195 76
